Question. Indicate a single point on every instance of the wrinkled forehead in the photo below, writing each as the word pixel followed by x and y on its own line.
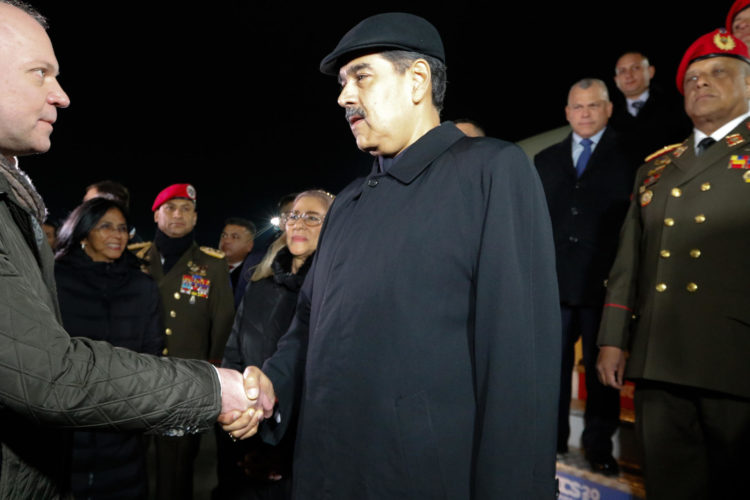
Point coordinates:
pixel 593 93
pixel 369 60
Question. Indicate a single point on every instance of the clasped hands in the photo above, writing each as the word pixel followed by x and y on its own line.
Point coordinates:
pixel 246 399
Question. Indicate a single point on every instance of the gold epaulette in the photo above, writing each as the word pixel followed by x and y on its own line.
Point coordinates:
pixel 213 252
pixel 140 249
pixel 665 149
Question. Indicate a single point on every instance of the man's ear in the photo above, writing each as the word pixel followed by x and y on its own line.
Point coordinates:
pixel 421 78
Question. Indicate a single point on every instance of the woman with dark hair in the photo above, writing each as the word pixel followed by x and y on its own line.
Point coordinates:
pixel 104 296
pixel 263 317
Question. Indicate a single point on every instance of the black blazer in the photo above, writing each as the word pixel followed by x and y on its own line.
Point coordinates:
pixel 586 214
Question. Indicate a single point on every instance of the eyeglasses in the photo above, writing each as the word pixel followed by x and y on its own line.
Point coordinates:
pixel 309 218
pixel 106 227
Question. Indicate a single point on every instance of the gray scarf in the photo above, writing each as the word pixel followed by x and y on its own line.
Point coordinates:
pixel 23 190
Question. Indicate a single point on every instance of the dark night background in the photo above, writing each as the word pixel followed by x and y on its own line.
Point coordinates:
pixel 227 95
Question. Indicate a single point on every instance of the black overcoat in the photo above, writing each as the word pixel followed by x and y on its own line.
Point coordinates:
pixel 426 342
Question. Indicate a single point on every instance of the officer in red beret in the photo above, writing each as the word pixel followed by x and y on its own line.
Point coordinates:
pixel 197 308
pixel 677 298
pixel 738 20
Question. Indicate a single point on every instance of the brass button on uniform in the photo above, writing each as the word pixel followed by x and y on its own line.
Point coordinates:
pixel 695 253
pixel 168 331
pixel 700 219
pixel 691 287
pixel 164 351
pixel 676 192
pixel 669 221
pixel 661 287
pixel 172 314
pixel 665 254
pixel 705 186
pixel 177 296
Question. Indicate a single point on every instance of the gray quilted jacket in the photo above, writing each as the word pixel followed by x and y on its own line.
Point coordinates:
pixel 50 382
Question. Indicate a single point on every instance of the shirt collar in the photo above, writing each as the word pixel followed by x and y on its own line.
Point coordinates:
pixel 643 97
pixel 720 132
pixel 594 138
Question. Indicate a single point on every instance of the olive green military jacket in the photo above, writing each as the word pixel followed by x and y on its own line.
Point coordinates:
pixel 197 302
pixel 678 295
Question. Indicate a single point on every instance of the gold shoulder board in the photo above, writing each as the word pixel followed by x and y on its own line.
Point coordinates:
pixel 140 249
pixel 213 252
pixel 665 149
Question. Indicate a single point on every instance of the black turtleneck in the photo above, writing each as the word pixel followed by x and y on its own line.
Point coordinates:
pixel 171 249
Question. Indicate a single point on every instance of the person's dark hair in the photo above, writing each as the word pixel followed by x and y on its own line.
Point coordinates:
pixel 112 190
pixel 29 10
pixel 285 200
pixel 240 221
pixel 82 220
pixel 402 59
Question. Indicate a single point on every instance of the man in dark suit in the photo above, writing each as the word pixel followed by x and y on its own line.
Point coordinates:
pixel 677 298
pixel 587 181
pixel 646 117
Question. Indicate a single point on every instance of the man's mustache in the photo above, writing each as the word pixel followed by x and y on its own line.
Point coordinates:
pixel 350 112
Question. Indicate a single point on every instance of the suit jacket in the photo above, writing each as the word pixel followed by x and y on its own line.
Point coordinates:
pixel 426 346
pixel 660 122
pixel 586 214
pixel 682 269
pixel 197 302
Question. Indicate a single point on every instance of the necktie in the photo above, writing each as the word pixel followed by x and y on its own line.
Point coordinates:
pixel 705 143
pixel 637 105
pixel 584 158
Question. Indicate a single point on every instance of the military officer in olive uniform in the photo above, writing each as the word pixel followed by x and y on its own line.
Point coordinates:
pixel 198 310
pixel 678 295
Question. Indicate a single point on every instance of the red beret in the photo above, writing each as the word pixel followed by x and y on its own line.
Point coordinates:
pixel 718 43
pixel 174 191
pixel 737 7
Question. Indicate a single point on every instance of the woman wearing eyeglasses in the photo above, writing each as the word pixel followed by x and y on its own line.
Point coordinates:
pixel 263 317
pixel 104 295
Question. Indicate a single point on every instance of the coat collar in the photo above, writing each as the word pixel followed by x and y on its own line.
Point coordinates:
pixel 419 155
pixel 684 157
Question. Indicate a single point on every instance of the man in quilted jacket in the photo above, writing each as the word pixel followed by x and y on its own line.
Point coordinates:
pixel 49 381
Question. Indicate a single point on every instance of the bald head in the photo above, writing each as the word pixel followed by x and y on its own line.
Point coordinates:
pixel 29 91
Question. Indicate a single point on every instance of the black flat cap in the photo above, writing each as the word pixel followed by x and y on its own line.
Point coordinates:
pixel 393 30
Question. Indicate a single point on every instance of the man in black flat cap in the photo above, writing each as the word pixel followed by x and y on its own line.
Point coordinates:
pixel 425 350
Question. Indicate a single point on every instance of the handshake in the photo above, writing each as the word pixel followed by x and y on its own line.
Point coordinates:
pixel 246 399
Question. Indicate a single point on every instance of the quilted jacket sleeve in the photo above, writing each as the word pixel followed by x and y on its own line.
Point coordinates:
pixel 54 380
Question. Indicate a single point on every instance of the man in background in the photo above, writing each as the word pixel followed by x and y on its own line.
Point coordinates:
pixel 197 308
pixel 646 117
pixel 587 180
